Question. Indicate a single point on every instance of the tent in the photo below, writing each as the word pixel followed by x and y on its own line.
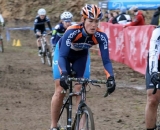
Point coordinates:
pixel 141 4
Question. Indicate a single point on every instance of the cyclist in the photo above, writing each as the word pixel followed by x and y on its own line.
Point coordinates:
pixel 2 24
pixel 39 26
pixel 59 29
pixel 152 79
pixel 74 54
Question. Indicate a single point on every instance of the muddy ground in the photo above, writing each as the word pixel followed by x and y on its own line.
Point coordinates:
pixel 26 88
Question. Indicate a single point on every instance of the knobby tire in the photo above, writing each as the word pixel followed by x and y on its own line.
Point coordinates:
pixel 84 121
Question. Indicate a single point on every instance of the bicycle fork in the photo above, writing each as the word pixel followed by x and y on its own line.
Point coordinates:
pixel 69 113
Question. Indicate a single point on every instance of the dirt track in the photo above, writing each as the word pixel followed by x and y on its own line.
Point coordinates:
pixel 26 88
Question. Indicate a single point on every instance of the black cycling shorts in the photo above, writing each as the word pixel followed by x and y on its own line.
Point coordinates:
pixel 149 84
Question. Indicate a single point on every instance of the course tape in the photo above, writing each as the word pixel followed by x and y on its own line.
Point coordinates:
pixel 20 28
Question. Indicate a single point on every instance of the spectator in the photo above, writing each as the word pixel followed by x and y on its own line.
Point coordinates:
pixel 106 16
pixel 2 24
pixel 115 15
pixel 110 17
pixel 156 17
pixel 123 18
pixel 139 17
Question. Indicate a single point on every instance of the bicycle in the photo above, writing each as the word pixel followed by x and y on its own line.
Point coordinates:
pixel 45 51
pixel 83 118
pixel 1 44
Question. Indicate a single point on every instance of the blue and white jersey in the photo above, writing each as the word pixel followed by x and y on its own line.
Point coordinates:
pixel 57 33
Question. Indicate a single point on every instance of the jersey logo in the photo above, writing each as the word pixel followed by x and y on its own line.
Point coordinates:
pixel 81 46
pixel 74 33
pixel 103 39
pixel 68 42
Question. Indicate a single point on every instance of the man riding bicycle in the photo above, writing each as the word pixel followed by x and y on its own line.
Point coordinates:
pixel 39 26
pixel 59 29
pixel 73 50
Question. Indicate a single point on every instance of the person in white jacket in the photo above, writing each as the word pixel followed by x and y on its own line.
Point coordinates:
pixel 123 18
pixel 153 80
pixel 1 24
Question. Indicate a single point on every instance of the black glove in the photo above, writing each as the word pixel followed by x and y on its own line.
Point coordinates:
pixel 63 81
pixel 155 79
pixel 111 85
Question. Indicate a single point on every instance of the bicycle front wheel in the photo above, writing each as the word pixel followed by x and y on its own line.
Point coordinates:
pixel 49 58
pixel 1 46
pixel 43 58
pixel 85 120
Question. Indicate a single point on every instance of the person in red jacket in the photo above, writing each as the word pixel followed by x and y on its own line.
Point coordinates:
pixel 139 17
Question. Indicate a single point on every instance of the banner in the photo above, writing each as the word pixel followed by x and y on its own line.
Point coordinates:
pixel 136 46
pixel 143 4
pixel 129 45
pixel 116 40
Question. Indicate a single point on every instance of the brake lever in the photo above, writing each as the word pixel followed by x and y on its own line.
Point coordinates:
pixel 95 84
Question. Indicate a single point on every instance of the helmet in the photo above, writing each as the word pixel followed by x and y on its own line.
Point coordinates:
pixel 66 16
pixel 134 8
pixel 123 9
pixel 41 11
pixel 92 12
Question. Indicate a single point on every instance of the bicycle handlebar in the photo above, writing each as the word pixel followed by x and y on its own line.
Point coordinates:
pixel 84 80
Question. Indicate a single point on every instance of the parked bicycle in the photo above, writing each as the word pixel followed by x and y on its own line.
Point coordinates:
pixel 83 118
pixel 1 44
pixel 45 51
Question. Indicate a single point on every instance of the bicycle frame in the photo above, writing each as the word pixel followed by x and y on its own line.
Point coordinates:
pixel 45 51
pixel 82 103
pixel 43 42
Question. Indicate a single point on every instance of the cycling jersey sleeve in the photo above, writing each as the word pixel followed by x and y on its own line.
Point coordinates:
pixel 154 51
pixel 49 25
pixel 65 44
pixel 48 22
pixel 103 45
pixel 54 32
pixel 35 25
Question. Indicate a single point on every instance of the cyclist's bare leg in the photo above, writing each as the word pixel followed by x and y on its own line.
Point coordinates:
pixel 38 42
pixel 151 108
pixel 56 104
pixel 78 98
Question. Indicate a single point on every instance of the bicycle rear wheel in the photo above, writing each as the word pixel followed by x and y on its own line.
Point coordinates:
pixel 1 46
pixel 84 121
